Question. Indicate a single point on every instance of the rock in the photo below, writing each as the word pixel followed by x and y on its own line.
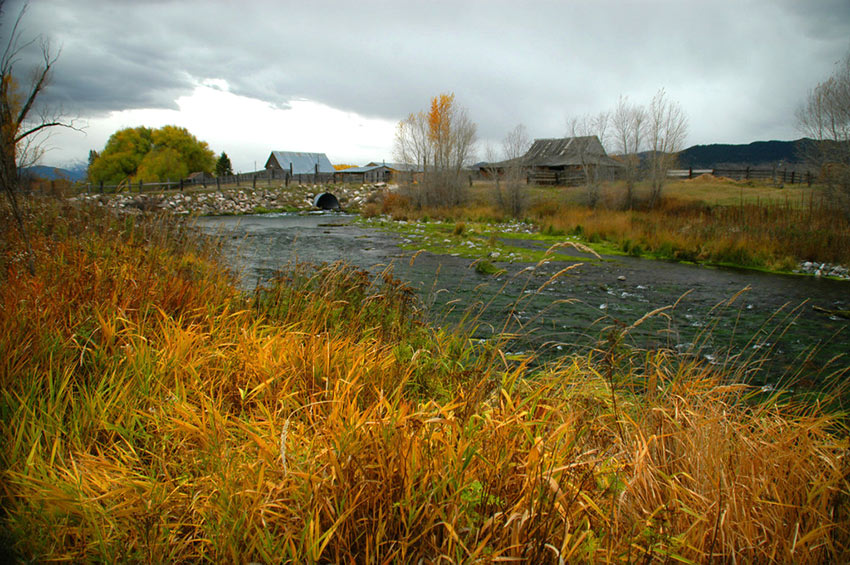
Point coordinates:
pixel 621 278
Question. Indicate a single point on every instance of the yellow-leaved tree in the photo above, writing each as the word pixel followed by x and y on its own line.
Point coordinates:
pixel 437 144
pixel 143 154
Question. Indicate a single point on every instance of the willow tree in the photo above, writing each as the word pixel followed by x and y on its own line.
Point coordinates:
pixel 151 155
pixel 439 143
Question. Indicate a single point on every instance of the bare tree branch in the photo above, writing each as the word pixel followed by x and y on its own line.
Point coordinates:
pixel 19 136
pixel 825 117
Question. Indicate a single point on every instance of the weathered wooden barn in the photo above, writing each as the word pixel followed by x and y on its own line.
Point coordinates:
pixel 303 166
pixel 561 161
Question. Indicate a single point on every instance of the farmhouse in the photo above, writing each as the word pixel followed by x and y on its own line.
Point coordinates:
pixel 562 161
pixel 301 165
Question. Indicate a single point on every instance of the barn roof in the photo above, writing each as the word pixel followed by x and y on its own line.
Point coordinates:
pixel 566 151
pixel 302 163
pixel 562 152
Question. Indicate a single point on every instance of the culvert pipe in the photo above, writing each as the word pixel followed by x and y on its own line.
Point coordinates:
pixel 326 201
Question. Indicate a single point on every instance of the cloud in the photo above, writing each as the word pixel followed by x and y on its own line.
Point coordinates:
pixel 738 68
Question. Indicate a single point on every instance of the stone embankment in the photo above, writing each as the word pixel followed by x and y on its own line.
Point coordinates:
pixel 823 270
pixel 235 201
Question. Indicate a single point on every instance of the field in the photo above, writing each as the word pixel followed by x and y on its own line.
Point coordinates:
pixel 704 220
pixel 151 412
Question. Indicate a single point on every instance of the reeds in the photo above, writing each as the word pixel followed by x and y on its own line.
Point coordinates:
pixel 150 412
pixel 753 234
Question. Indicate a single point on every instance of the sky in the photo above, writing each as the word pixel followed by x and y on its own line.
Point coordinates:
pixel 252 76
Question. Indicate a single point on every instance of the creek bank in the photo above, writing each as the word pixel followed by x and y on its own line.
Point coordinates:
pixel 235 201
pixel 521 241
pixel 239 201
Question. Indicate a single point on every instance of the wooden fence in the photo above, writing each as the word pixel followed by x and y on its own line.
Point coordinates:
pixel 775 175
pixel 266 177
pixel 557 178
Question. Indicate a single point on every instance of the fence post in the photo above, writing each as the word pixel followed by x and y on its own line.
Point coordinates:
pixel 101 187
pixel 254 180
pixel 316 173
pixel 690 172
pixel 181 185
pixel 792 176
pixel 286 180
pixel 218 183
pixel 747 174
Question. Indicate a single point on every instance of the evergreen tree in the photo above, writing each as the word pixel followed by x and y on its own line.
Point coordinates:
pixel 223 166
pixel 93 155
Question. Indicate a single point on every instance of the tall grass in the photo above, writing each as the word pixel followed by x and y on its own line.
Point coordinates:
pixel 150 412
pixel 776 232
pixel 766 235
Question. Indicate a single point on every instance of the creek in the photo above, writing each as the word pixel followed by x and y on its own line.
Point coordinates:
pixel 780 323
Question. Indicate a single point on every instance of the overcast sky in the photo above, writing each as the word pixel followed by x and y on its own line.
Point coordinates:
pixel 251 76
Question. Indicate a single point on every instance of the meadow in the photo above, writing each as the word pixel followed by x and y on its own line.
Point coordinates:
pixel 152 412
pixel 703 220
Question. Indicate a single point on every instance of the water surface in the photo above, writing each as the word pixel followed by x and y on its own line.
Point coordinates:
pixel 715 312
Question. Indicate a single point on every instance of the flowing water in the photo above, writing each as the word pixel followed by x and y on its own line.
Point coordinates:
pixel 716 313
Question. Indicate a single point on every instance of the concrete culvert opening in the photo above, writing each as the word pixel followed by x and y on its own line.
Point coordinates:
pixel 326 201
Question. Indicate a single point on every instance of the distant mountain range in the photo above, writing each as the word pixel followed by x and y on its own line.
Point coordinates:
pixel 74 174
pixel 756 154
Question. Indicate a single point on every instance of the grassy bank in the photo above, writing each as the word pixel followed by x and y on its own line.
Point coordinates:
pixel 703 220
pixel 150 412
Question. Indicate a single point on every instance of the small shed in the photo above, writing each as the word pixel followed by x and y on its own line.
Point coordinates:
pixel 400 171
pixel 200 177
pixel 363 175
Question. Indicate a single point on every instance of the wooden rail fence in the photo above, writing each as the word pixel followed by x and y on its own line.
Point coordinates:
pixel 265 177
pixel 775 175
pixel 778 176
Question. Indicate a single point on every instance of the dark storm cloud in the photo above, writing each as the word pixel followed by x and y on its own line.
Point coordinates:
pixel 738 68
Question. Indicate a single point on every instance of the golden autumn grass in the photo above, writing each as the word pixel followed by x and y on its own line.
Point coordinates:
pixel 150 412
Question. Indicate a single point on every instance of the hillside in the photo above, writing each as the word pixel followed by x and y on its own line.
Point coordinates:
pixel 75 174
pixel 758 153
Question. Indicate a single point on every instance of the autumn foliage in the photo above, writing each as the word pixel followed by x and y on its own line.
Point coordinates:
pixel 143 154
pixel 439 143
